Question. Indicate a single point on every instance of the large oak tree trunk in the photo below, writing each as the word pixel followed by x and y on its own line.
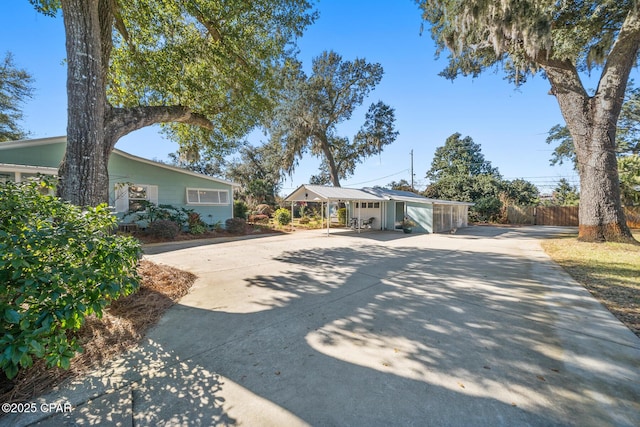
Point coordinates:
pixel 84 178
pixel 93 126
pixel 601 216
pixel 592 122
pixel 331 161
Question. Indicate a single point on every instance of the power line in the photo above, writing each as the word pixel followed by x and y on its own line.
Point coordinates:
pixel 358 183
pixel 378 179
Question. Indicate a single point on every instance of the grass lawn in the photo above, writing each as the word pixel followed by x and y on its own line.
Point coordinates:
pixel 610 271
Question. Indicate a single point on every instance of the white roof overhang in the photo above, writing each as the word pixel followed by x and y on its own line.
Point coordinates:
pixel 319 193
pixel 8 167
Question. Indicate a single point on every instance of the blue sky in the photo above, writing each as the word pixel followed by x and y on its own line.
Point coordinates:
pixel 510 124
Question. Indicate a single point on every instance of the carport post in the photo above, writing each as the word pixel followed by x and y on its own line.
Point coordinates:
pixel 328 218
pixel 322 213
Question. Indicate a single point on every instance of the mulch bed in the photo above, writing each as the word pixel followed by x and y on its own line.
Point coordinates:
pixel 122 326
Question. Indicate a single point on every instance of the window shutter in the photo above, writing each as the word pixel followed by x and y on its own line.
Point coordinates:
pixel 152 194
pixel 122 197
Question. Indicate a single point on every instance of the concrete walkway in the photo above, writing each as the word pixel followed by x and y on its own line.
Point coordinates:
pixel 474 329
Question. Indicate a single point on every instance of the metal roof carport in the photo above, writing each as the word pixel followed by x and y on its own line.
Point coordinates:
pixel 322 194
pixel 432 215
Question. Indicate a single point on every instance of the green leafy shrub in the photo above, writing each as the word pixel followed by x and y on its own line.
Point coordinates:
pixel 240 209
pixel 282 216
pixel 342 216
pixel 163 229
pixel 236 225
pixel 58 264
pixel 195 223
pixel 151 213
pixel 485 209
pixel 197 229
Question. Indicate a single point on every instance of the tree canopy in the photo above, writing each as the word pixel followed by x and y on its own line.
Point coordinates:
pixel 259 171
pixel 460 172
pixel 15 88
pixel 629 169
pixel 562 39
pixel 459 157
pixel 402 185
pixel 312 107
pixel 204 68
pixel 524 36
pixel 565 194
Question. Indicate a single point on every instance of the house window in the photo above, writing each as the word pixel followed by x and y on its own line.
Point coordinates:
pixel 376 205
pixel 200 196
pixel 134 197
pixel 138 197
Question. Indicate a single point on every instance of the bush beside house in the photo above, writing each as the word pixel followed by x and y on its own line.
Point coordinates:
pixel 58 264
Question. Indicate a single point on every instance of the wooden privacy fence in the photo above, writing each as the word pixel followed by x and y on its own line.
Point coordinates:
pixel 559 215
pixel 633 216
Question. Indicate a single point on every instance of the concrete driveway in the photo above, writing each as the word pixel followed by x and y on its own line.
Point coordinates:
pixel 473 329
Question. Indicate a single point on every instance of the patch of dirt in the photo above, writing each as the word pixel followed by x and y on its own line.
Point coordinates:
pixel 122 326
pixel 251 230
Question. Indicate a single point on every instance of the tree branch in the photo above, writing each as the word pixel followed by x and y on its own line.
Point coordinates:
pixel 623 55
pixel 212 27
pixel 214 31
pixel 122 121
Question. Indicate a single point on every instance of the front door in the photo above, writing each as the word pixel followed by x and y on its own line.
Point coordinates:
pixel 399 215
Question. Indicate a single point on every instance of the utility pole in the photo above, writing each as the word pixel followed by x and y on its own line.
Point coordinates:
pixel 411 170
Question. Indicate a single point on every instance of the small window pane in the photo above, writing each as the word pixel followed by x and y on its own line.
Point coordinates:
pixel 224 197
pixel 376 205
pixel 208 196
pixel 138 192
pixel 192 196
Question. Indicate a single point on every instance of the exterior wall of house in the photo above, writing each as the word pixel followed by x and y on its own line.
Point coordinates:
pixel 171 187
pixel 422 215
pixel 447 217
pixel 389 215
pixel 166 186
pixel 48 155
pixel 365 211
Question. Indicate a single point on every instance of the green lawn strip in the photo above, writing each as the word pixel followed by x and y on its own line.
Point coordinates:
pixel 610 271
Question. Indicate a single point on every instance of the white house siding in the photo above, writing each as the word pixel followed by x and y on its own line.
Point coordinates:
pixel 365 210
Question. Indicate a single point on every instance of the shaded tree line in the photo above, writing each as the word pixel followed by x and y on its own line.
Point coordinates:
pixel 460 172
